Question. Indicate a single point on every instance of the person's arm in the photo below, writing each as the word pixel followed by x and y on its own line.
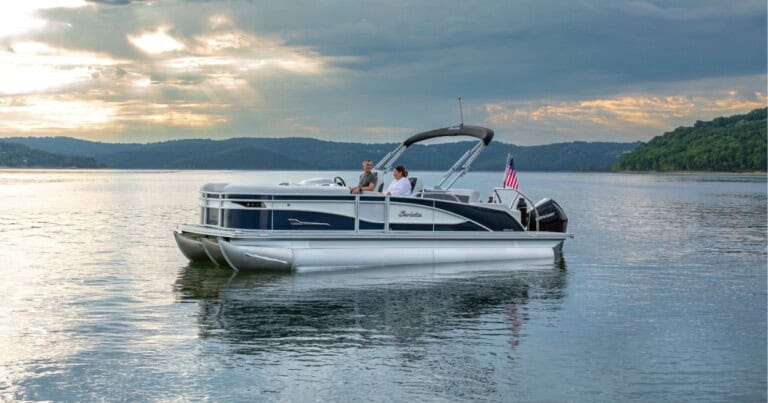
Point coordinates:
pixel 371 186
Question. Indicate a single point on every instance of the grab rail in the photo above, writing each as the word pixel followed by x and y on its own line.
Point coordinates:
pixel 219 202
pixel 512 204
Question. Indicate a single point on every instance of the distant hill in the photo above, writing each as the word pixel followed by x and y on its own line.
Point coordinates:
pixel 732 144
pixel 72 146
pixel 20 156
pixel 306 153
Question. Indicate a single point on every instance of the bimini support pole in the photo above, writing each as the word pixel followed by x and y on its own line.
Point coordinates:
pixel 467 164
pixel 461 166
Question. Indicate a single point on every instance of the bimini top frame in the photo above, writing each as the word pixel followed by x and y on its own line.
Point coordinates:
pixel 460 167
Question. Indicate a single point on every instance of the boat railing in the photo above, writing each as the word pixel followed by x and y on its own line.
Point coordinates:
pixel 214 203
pixel 511 198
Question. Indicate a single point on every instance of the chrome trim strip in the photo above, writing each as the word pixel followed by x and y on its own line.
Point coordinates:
pixel 314 234
pixel 294 221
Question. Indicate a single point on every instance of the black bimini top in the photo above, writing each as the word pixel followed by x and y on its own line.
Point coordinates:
pixel 481 133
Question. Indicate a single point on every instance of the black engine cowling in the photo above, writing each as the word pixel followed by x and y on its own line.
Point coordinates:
pixel 550 216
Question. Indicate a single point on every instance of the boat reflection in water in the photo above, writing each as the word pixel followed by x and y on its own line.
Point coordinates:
pixel 265 312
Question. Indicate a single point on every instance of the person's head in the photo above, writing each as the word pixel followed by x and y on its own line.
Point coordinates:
pixel 367 165
pixel 400 172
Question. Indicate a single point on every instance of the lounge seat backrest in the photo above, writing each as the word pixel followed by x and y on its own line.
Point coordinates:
pixel 416 185
pixel 379 181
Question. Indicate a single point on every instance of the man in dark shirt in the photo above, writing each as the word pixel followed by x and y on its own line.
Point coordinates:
pixel 368 179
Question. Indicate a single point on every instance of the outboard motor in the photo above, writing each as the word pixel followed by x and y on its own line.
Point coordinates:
pixel 550 215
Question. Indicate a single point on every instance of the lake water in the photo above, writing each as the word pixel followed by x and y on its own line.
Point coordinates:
pixel 661 296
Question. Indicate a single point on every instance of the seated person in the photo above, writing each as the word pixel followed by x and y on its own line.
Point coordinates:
pixel 401 186
pixel 368 179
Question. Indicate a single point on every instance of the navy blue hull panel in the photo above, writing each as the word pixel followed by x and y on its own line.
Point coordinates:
pixel 307 220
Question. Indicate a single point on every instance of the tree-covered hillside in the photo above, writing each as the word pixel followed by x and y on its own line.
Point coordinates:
pixel 19 156
pixel 732 144
pixel 306 153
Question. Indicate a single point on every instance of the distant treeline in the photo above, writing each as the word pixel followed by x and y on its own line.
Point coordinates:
pixel 20 156
pixel 735 144
pixel 312 154
pixel 728 144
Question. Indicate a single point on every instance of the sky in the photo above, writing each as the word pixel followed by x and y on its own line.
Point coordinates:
pixel 536 72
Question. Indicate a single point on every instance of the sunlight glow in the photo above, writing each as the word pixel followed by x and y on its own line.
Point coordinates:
pixel 298 64
pixel 624 117
pixel 34 66
pixel 156 42
pixel 142 82
pixel 187 119
pixel 248 52
pixel 181 114
pixel 36 114
pixel 639 110
pixel 18 17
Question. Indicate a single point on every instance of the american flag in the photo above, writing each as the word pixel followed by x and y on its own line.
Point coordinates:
pixel 510 176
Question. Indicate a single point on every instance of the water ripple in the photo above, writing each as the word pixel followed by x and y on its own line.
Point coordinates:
pixel 661 296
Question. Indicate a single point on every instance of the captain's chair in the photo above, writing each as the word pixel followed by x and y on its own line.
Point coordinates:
pixel 416 185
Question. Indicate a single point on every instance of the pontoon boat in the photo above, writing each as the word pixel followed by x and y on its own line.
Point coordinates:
pixel 318 225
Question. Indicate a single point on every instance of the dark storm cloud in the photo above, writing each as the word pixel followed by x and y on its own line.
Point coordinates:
pixel 477 47
pixel 526 50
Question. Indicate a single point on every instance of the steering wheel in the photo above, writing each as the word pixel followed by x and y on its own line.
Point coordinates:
pixel 339 181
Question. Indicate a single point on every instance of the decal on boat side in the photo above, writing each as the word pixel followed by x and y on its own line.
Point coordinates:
pixel 404 213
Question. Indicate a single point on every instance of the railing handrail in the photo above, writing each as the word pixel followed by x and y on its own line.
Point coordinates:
pixel 528 200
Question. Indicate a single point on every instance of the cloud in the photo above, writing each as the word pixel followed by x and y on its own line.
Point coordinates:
pixel 186 115
pixel 157 41
pixel 346 70
pixel 18 17
pixel 42 114
pixel 117 2
pixel 680 11
pixel 32 67
pixel 187 82
pixel 388 130
pixel 621 118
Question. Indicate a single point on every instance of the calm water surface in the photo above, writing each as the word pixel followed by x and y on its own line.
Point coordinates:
pixel 660 297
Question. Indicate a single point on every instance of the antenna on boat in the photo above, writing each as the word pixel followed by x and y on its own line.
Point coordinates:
pixel 461 112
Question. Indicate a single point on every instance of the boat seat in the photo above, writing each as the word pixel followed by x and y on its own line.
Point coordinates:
pixel 416 185
pixel 379 181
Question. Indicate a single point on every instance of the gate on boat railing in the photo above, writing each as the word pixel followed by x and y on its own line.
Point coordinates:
pixel 512 198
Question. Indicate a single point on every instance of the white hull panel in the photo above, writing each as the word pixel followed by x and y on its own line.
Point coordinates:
pixel 326 255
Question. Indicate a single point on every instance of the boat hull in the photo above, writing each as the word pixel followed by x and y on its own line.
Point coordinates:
pixel 313 251
pixel 213 251
pixel 191 246
pixel 243 256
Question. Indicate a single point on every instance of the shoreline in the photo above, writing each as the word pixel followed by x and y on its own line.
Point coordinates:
pixel 724 173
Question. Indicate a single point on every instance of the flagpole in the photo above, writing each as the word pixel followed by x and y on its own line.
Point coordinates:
pixel 506 168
